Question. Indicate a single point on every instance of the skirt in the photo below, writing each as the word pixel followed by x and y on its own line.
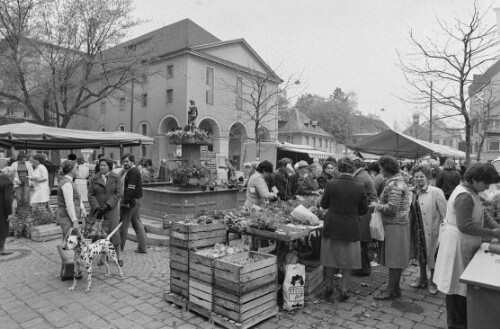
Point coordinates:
pixel 340 254
pixel 395 249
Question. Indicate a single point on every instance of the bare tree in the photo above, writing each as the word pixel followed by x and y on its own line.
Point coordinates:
pixel 258 97
pixel 441 71
pixel 58 56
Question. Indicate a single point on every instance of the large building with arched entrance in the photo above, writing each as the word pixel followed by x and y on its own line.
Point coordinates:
pixel 186 63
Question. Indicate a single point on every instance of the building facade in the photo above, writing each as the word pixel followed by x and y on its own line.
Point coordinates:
pixel 187 64
pixel 296 128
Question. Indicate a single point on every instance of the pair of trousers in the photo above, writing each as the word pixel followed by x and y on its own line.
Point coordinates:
pixel 456 311
pixel 132 215
pixel 23 195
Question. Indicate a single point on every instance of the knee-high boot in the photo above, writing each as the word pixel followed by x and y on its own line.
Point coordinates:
pixel 397 281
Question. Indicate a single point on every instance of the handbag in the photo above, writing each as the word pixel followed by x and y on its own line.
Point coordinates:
pixel 376 226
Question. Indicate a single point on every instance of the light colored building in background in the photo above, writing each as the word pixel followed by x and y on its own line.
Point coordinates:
pixel 186 63
pixel 296 128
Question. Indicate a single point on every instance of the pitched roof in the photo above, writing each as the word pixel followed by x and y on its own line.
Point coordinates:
pixel 293 121
pixel 171 38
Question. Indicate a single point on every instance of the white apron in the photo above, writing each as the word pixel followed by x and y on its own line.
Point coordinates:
pixel 41 190
pixel 456 249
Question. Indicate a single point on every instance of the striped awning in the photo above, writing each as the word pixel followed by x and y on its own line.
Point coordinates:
pixel 306 149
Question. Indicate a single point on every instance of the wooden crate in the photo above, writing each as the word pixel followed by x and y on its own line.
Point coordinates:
pixel 201 265
pixel 314 278
pixel 239 279
pixel 246 306
pixel 192 236
pixel 46 232
pixel 201 293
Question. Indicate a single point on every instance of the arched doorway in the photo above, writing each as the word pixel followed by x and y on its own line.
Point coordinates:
pixel 167 124
pixel 237 137
pixel 212 128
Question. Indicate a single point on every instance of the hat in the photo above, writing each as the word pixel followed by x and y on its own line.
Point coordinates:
pixel 248 164
pixel 302 164
pixel 353 157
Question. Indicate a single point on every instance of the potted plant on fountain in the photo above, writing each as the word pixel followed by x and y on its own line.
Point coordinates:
pixel 189 135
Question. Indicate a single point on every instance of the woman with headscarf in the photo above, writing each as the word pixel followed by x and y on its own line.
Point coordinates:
pixel 40 180
pixel 466 224
pixel 394 207
pixel 427 211
pixel 345 199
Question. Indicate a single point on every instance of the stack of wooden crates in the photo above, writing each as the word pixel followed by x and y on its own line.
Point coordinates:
pixel 245 287
pixel 185 239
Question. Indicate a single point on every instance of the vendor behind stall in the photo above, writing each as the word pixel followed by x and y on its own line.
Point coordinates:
pixel 307 184
pixel 257 190
pixel 466 224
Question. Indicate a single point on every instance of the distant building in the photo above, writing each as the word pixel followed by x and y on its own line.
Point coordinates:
pixel 296 128
pixel 366 127
pixel 441 133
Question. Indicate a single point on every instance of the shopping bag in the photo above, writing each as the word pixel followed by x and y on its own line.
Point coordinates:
pixel 376 226
pixel 293 287
pixel 304 216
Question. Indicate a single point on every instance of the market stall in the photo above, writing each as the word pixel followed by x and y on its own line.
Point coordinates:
pixel 390 142
pixel 37 137
pixel 482 277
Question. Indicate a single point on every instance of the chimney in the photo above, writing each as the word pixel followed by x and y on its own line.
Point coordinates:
pixel 416 118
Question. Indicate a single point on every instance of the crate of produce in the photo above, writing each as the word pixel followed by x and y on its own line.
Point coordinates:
pixel 314 278
pixel 246 306
pixel 192 236
pixel 46 232
pixel 201 272
pixel 245 272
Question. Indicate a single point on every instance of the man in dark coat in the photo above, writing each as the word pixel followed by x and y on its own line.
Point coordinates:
pixel 6 198
pixel 364 178
pixel 131 203
pixel 282 181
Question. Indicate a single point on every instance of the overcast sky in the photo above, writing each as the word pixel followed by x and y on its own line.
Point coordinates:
pixel 331 43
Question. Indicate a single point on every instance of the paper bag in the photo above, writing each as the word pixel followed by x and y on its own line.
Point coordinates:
pixel 377 227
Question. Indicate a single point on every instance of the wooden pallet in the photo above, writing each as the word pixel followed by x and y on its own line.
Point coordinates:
pixel 231 324
pixel 176 299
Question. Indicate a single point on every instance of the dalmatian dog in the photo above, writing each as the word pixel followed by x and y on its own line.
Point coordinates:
pixel 86 253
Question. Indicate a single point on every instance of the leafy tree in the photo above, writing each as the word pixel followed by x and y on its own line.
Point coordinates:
pixel 57 56
pixel 441 71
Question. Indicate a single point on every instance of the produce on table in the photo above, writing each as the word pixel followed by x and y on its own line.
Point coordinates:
pixel 221 250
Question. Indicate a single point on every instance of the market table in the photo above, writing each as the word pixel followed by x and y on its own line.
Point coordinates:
pixel 482 277
pixel 283 235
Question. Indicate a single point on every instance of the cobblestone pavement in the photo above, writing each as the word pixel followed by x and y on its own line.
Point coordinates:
pixel 33 296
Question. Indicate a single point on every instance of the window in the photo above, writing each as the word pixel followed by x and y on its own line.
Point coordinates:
pixel 143 151
pixel 121 128
pixel 239 93
pixel 144 129
pixel 10 111
pixel 103 129
pixel 26 114
pixel 320 142
pixel 209 85
pixel 103 107
pixel 314 141
pixel 307 140
pixel 122 104
pixel 170 71
pixel 170 96
pixel 144 100
pixel 494 146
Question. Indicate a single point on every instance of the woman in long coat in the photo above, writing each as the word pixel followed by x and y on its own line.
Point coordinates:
pixel 466 224
pixel 105 191
pixel 345 199
pixel 394 207
pixel 427 211
pixel 40 180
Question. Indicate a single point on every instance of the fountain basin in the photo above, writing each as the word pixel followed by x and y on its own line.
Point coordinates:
pixel 164 199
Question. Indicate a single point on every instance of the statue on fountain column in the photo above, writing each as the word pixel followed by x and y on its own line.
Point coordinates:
pixel 192 114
